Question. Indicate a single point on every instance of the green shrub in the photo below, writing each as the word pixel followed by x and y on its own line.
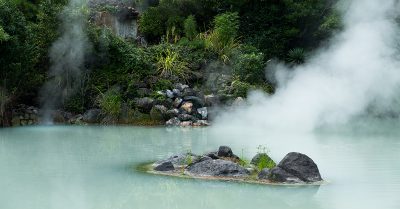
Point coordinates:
pixel 190 27
pixel 3 35
pixel 162 84
pixel 222 39
pixel 152 23
pixel 249 66
pixel 240 88
pixel 170 64
pixel 296 56
pixel 265 161
pixel 110 102
pixel 226 27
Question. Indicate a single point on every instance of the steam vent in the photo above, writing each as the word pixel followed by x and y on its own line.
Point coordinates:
pixel 120 17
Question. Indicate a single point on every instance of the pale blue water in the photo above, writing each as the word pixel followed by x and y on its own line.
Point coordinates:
pixel 94 168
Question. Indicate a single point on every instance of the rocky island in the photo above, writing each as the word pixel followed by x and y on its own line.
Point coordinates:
pixel 294 168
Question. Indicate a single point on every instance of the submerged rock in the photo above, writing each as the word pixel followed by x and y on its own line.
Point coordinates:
pixel 301 166
pixel 218 168
pixel 166 166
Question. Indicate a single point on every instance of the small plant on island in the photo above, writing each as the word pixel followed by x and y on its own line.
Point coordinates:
pixel 264 161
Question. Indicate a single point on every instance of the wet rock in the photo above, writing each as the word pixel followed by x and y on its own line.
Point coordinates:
pixel 176 93
pixel 179 160
pixel 109 120
pixel 212 155
pixel 177 102
pixel 173 122
pixel 158 112
pixel 225 151
pixel 187 107
pixel 186 117
pixel 172 113
pixel 211 100
pixel 261 157
pixel 169 94
pixel 186 123
pixel 217 168
pixel 144 104
pixel 168 103
pixel 279 175
pixel 301 166
pixel 92 116
pixel 188 92
pixel 203 112
pixel 58 117
pixel 197 101
pixel 201 123
pixel 180 86
pixel 166 166
pixel 264 173
pixel 77 119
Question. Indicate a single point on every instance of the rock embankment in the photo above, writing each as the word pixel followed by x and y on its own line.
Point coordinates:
pixel 294 168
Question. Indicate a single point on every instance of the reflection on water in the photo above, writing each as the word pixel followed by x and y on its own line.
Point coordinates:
pixel 91 168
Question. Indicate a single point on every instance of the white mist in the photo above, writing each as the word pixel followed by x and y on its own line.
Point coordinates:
pixel 359 72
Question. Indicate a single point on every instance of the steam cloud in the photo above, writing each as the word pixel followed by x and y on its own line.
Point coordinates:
pixel 67 58
pixel 356 75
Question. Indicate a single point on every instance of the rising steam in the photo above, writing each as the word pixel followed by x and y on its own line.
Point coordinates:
pixel 357 74
pixel 67 58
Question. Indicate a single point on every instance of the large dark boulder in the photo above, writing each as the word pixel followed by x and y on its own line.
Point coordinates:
pixel 144 104
pixel 92 116
pixel 279 175
pixel 225 151
pixel 166 166
pixel 197 101
pixel 217 168
pixel 301 166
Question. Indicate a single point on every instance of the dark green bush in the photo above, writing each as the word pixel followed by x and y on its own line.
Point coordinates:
pixel 248 64
pixel 190 27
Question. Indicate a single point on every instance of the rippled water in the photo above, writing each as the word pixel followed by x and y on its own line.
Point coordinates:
pixel 94 168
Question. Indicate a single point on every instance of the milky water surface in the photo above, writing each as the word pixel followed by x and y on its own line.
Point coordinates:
pixel 57 167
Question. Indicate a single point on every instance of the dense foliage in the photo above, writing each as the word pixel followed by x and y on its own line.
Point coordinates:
pixel 186 39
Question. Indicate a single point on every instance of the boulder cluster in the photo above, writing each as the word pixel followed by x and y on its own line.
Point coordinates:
pixel 179 106
pixel 293 168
